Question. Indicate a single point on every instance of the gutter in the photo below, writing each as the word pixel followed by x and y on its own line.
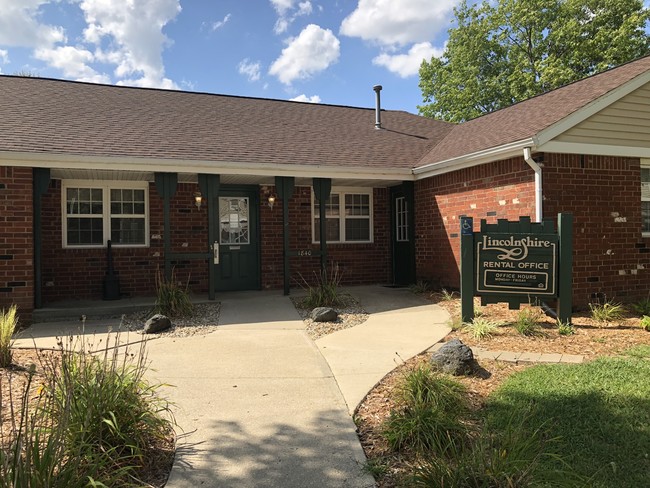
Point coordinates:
pixel 539 198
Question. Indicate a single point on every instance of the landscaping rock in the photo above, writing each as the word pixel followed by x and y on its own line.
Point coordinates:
pixel 324 314
pixel 157 323
pixel 454 357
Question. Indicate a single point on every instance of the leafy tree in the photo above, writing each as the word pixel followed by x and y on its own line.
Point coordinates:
pixel 503 52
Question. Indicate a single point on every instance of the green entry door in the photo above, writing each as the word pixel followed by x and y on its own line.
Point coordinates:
pixel 238 238
pixel 402 231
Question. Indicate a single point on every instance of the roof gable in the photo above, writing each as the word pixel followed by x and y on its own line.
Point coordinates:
pixel 541 117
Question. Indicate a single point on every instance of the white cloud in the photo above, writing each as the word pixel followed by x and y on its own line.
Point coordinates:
pixel 313 51
pixel 219 24
pixel 19 25
pixel 132 32
pixel 406 65
pixel 73 62
pixel 252 70
pixel 4 56
pixel 398 22
pixel 285 18
pixel 281 6
pixel 305 98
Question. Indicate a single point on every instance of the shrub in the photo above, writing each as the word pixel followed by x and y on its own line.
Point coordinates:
pixel 642 307
pixel 645 323
pixel 565 328
pixel 8 322
pixel 420 287
pixel 95 421
pixel 481 328
pixel 496 459
pixel 527 322
pixel 446 295
pixel 606 312
pixel 172 299
pixel 428 415
pixel 325 291
pixel 455 322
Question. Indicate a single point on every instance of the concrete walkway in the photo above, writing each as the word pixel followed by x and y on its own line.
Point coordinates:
pixel 400 326
pixel 258 403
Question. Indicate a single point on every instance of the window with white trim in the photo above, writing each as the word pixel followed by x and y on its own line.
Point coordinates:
pixel 94 212
pixel 645 200
pixel 349 216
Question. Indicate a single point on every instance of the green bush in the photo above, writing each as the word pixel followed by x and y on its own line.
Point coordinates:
pixel 94 423
pixel 172 299
pixel 527 322
pixel 565 328
pixel 481 328
pixel 607 312
pixel 325 291
pixel 645 323
pixel 429 413
pixel 8 322
pixel 420 287
pixel 506 458
pixel 642 307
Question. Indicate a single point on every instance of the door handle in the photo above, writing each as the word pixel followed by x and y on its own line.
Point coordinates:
pixel 215 252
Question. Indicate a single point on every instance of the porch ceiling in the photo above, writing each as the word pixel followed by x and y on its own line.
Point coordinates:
pixel 97 174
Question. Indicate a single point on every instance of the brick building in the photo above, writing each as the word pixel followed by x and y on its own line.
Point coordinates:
pixel 217 188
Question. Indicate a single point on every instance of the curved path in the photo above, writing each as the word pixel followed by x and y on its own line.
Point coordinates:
pixel 259 404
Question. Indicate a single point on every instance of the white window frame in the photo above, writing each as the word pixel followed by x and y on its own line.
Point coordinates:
pixel 106 187
pixel 342 191
pixel 645 164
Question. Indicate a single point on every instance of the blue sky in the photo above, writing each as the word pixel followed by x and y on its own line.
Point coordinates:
pixel 329 51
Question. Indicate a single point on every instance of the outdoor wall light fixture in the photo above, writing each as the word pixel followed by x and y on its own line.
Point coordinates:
pixel 198 199
pixel 271 201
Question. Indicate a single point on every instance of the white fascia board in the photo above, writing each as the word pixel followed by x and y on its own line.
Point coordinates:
pixel 72 161
pixel 505 151
pixel 592 108
pixel 594 149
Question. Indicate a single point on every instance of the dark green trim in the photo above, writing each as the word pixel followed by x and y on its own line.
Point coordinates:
pixel 322 190
pixel 467 268
pixel 166 184
pixel 210 186
pixel 284 186
pixel 41 182
pixel 565 280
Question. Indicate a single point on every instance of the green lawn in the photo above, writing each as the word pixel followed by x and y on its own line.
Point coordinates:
pixel 599 412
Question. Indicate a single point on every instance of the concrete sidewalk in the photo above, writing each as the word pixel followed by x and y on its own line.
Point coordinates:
pixel 400 326
pixel 258 403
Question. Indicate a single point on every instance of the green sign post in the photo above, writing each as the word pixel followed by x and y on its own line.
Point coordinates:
pixel 517 262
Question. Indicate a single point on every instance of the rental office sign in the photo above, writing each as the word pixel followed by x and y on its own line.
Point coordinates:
pixel 517 262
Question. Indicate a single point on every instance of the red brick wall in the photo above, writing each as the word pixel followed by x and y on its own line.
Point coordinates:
pixel 500 190
pixel 78 273
pixel 358 263
pixel 16 242
pixel 611 258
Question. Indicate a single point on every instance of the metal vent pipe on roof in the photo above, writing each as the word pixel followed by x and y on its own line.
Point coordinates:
pixel 377 89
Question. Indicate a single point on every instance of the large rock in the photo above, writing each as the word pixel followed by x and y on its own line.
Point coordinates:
pixel 453 358
pixel 324 314
pixel 157 323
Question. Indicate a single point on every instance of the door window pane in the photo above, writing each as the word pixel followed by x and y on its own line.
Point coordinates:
pixel 233 220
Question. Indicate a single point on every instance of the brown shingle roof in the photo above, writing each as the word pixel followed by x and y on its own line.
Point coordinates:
pixel 528 118
pixel 62 117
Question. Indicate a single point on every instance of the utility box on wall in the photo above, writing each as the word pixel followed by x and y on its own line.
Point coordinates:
pixel 517 262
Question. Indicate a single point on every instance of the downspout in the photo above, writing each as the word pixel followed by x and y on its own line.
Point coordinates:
pixel 538 183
